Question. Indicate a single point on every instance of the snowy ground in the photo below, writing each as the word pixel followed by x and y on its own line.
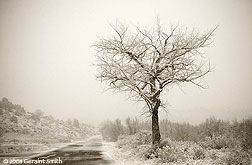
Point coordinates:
pixel 123 157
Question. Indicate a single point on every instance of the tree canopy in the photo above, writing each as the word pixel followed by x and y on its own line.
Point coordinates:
pixel 144 62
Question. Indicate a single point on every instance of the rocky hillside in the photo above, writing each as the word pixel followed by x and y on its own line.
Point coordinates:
pixel 19 126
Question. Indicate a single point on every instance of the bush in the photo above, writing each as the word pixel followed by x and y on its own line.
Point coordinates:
pixel 165 142
pixel 171 154
pixel 76 123
pixel 142 150
pixel 111 130
pixel 219 142
pixel 213 127
pixel 132 125
pixel 35 118
pixel 5 104
pixel 144 137
pixel 213 155
pixel 18 113
pixel 150 153
pixel 177 131
pixel 237 157
pixel 13 119
pixel 244 133
pixel 133 141
pixel 199 153
pixel 170 151
pixel 2 130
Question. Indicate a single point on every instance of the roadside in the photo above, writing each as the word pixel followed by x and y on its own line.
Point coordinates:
pixel 124 157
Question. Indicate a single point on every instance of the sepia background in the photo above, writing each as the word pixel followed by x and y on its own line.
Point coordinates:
pixel 46 58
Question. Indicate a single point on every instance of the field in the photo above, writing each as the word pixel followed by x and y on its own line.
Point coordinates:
pixel 212 142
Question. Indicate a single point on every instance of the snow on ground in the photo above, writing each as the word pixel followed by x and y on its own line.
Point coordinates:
pixel 122 157
pixel 125 156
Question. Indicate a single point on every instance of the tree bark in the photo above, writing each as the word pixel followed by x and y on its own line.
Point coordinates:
pixel 155 124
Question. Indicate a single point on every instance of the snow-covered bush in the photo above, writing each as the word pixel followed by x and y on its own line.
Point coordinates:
pixel 172 151
pixel 199 153
pixel 237 157
pixel 219 142
pixel 171 154
pixel 132 141
pixel 165 142
pixel 1 111
pixel 144 137
pixel 243 132
pixel 111 130
pixel 13 119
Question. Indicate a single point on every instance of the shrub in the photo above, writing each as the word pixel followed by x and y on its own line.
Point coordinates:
pixel 133 141
pixel 237 157
pixel 213 127
pixel 170 154
pixel 13 119
pixel 213 155
pixel 132 125
pixel 244 133
pixel 2 130
pixel 150 153
pixel 111 130
pixel 1 111
pixel 6 104
pixel 166 142
pixel 144 137
pixel 177 131
pixel 219 142
pixel 18 113
pixel 170 151
pixel 35 117
pixel 142 150
pixel 25 131
pixel 199 153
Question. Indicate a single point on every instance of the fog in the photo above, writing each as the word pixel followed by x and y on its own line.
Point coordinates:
pixel 47 62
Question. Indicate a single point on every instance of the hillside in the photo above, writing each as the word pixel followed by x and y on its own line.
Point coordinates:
pixel 17 126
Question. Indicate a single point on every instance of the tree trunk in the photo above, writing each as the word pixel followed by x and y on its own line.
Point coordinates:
pixel 155 124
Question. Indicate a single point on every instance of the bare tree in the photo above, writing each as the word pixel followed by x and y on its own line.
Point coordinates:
pixel 144 62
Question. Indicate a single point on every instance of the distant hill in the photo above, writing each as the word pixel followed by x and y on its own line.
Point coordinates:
pixel 19 126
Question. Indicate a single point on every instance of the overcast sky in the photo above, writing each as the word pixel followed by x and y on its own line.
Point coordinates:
pixel 46 58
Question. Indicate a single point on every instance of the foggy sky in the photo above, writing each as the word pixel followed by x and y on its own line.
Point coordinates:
pixel 46 58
